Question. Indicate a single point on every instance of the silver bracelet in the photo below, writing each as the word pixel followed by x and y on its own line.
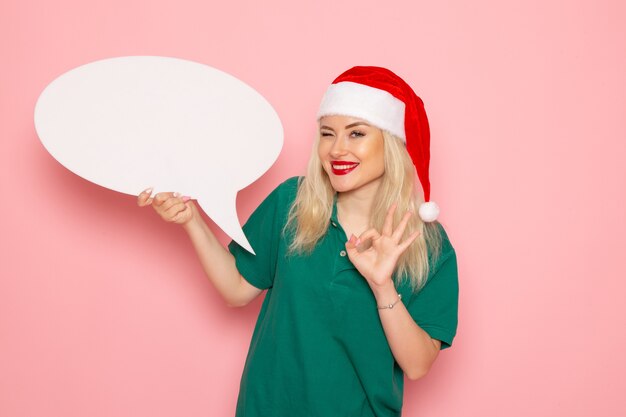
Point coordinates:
pixel 391 305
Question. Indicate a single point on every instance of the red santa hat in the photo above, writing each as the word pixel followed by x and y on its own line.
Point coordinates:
pixel 382 98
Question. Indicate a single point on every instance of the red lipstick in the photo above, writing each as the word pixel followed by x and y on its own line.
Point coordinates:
pixel 343 167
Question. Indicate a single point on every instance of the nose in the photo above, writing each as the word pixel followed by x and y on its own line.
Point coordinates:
pixel 338 148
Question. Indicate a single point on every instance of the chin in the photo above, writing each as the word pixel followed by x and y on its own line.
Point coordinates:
pixel 342 186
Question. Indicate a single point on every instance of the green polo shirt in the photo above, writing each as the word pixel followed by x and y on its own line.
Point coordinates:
pixel 318 347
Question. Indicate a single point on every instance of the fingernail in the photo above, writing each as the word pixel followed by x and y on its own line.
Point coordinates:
pixel 176 194
pixel 148 190
pixel 186 198
pixel 357 241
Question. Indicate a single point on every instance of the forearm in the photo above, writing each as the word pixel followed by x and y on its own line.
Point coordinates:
pixel 412 347
pixel 218 263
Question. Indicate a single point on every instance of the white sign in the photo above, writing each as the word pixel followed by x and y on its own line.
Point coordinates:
pixel 132 122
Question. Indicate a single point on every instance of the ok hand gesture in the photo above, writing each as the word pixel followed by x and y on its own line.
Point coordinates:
pixel 378 262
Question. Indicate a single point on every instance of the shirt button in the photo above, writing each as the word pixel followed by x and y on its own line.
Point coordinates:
pixel 342 253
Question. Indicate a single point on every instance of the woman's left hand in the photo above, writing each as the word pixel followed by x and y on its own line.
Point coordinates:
pixel 378 262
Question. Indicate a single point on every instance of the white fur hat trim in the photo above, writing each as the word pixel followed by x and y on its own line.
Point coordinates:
pixel 376 106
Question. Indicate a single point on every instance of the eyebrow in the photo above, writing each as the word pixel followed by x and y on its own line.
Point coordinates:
pixel 347 127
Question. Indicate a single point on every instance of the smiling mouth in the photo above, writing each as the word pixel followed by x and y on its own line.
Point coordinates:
pixel 343 167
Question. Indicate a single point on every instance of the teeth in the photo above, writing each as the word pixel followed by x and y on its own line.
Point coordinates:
pixel 344 166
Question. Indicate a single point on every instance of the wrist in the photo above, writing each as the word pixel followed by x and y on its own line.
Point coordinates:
pixel 385 293
pixel 194 222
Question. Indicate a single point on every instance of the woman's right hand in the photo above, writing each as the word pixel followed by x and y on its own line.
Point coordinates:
pixel 170 206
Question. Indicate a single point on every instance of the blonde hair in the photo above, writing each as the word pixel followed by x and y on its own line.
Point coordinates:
pixel 309 215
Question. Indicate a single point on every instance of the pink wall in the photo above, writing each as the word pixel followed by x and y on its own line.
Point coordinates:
pixel 104 310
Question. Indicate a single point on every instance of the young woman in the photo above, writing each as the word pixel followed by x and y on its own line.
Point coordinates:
pixel 360 291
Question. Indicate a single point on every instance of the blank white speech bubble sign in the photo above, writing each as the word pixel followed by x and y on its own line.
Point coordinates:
pixel 132 122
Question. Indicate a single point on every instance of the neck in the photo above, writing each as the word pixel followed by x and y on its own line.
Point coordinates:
pixel 358 203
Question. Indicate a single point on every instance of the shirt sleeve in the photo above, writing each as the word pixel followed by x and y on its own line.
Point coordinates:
pixel 435 307
pixel 263 229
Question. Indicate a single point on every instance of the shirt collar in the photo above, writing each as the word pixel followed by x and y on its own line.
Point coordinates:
pixel 333 216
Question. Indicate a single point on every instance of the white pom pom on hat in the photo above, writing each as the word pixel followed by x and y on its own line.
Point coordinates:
pixel 382 98
pixel 429 211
